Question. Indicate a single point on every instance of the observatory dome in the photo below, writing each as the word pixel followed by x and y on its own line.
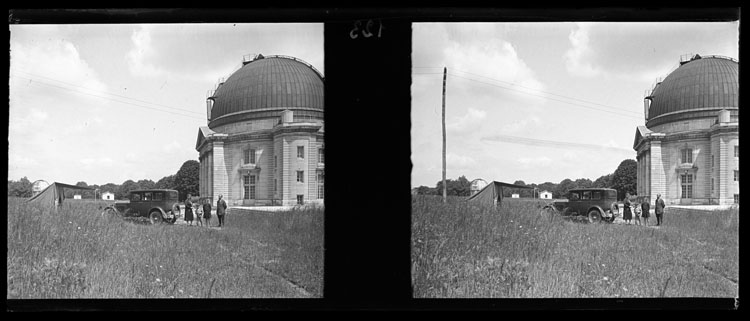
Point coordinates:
pixel 267 84
pixel 698 88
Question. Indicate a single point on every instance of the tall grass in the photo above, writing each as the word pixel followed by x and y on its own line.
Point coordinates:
pixel 77 253
pixel 460 250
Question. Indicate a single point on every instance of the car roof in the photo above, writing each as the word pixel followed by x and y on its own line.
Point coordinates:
pixel 591 189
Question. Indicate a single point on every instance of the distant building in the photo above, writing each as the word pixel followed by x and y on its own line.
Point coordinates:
pixel 514 195
pixel 545 195
pixel 108 196
pixel 77 196
pixel 263 144
pixel 477 185
pixel 688 149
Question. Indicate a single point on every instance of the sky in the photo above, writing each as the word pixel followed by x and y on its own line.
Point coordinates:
pixel 109 103
pixel 541 102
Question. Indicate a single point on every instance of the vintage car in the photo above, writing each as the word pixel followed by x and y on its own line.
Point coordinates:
pixel 594 204
pixel 158 205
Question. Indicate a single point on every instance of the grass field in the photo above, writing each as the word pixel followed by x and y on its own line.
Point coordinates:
pixel 462 251
pixel 77 253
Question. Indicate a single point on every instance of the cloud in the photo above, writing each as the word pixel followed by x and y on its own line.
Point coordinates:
pixel 521 125
pixel 469 122
pixel 459 161
pixel 137 58
pixel 535 162
pixel 173 146
pixel 578 58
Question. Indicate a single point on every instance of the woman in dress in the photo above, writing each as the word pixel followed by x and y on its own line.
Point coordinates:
pixel 207 211
pixel 645 208
pixel 626 214
pixel 188 210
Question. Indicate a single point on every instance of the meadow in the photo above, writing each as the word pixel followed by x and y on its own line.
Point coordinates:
pixel 77 253
pixel 465 251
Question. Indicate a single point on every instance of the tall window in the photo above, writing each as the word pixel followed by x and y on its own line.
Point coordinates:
pixel 301 176
pixel 249 186
pixel 250 156
pixel 712 162
pixel 736 198
pixel 300 199
pixel 321 188
pixel 712 184
pixel 300 151
pixel 275 162
pixel 736 150
pixel 686 182
pixel 321 159
pixel 736 176
pixel 687 156
pixel 275 183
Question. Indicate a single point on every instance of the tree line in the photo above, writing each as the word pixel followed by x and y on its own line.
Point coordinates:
pixel 185 181
pixel 623 179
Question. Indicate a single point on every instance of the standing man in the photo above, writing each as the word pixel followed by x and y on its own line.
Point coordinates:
pixel 659 209
pixel 645 207
pixel 221 208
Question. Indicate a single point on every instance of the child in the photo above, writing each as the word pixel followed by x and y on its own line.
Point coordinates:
pixel 637 211
pixel 198 214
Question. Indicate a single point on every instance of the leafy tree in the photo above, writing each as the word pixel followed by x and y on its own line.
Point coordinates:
pixel 583 183
pixel 166 182
pixel 125 188
pixel 605 181
pixel 624 178
pixel 459 187
pixel 20 188
pixel 146 184
pixel 424 190
pixel 562 189
pixel 186 180
pixel 547 186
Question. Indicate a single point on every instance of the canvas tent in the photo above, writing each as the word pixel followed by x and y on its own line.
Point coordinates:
pixel 492 194
pixel 53 194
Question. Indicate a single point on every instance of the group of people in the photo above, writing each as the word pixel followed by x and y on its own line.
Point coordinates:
pixel 203 211
pixel 641 207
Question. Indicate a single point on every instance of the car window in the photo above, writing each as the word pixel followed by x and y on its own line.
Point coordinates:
pixel 158 196
pixel 575 196
pixel 135 197
pixel 596 195
pixel 173 195
pixel 586 195
pixel 612 194
pixel 147 196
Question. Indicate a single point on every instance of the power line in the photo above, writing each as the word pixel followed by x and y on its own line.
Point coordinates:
pixel 108 93
pixel 108 98
pixel 534 89
pixel 540 96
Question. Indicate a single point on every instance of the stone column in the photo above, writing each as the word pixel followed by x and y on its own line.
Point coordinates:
pixel 220 177
pixel 658 177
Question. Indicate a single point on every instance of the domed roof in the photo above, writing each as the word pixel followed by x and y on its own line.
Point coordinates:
pixel 701 84
pixel 269 83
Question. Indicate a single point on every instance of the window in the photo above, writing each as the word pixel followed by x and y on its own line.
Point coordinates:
pixel 686 182
pixel 249 186
pixel 321 159
pixel 586 195
pixel 321 188
pixel 736 150
pixel 712 184
pixel 250 156
pixel 687 156
pixel 596 195
pixel 736 176
pixel 736 198
pixel 275 183
pixel 574 196
pixel 712 162
pixel 300 199
pixel 158 196
pixel 147 196
pixel 301 176
pixel 300 151
pixel 135 197
pixel 275 162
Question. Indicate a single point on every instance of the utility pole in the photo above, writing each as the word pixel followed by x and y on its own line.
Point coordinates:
pixel 445 188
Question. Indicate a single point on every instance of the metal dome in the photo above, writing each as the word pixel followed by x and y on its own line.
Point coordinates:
pixel 266 84
pixel 698 88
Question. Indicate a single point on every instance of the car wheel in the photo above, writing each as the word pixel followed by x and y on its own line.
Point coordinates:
pixel 595 216
pixel 156 218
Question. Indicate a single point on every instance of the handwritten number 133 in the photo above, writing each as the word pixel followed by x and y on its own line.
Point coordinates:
pixel 367 32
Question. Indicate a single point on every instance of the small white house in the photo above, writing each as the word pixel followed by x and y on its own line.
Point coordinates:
pixel 514 195
pixel 77 196
pixel 108 196
pixel 545 195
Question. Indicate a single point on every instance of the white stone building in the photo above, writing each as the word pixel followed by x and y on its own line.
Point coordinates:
pixel 108 196
pixel 688 149
pixel 545 195
pixel 263 144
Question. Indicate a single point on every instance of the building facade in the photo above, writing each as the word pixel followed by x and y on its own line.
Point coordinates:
pixel 688 149
pixel 545 195
pixel 263 144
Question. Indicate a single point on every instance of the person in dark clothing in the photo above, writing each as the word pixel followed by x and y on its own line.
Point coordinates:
pixel 221 208
pixel 188 210
pixel 645 207
pixel 627 215
pixel 659 209
pixel 207 211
